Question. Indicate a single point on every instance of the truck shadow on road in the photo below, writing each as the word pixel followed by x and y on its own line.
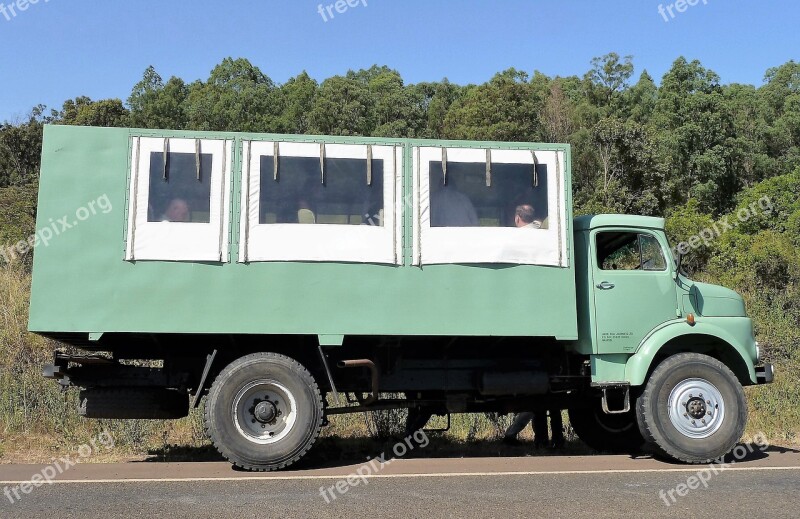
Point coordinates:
pixel 332 452
pixel 337 451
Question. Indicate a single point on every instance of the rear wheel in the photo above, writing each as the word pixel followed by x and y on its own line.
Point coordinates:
pixel 606 432
pixel 264 412
pixel 693 408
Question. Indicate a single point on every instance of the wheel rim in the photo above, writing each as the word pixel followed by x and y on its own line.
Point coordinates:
pixel 264 411
pixel 696 408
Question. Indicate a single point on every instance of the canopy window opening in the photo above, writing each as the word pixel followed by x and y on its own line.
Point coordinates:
pixel 177 193
pixel 321 202
pixel 298 194
pixel 476 196
pixel 179 200
pixel 491 206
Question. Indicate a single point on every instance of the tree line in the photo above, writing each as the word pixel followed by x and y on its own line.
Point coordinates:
pixel 638 147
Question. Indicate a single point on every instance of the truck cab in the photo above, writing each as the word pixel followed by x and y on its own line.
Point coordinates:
pixel 633 296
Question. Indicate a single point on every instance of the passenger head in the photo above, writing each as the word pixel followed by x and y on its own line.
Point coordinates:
pixel 177 211
pixel 524 215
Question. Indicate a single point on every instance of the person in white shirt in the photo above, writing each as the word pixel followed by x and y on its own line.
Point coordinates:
pixel 525 217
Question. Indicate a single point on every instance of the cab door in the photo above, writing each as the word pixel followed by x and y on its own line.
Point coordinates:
pixel 634 290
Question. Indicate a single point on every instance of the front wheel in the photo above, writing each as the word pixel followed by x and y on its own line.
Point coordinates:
pixel 693 408
pixel 264 412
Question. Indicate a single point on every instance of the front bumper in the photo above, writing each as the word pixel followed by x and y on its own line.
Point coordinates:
pixel 765 374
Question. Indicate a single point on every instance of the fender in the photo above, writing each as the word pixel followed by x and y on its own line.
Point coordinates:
pixel 638 365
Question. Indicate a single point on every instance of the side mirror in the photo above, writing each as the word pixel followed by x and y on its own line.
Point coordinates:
pixel 678 263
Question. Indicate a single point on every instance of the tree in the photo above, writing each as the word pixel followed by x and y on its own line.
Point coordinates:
pixel 557 124
pixel 82 111
pixel 608 77
pixel 505 109
pixel 435 100
pixel 156 105
pixel 17 220
pixel 639 101
pixel 21 149
pixel 343 107
pixel 628 179
pixel 236 97
pixel 693 129
pixel 299 94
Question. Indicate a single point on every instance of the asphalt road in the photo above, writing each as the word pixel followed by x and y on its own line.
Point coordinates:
pixel 760 485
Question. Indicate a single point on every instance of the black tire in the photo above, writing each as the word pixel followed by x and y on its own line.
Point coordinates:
pixel 677 375
pixel 603 432
pixel 289 419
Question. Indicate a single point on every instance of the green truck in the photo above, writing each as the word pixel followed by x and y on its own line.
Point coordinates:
pixel 291 278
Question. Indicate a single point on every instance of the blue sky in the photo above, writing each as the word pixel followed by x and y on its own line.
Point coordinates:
pixel 59 49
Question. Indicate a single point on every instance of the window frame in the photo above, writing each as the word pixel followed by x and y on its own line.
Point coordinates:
pixel 660 249
pixel 493 245
pixel 179 241
pixel 639 235
pixel 286 242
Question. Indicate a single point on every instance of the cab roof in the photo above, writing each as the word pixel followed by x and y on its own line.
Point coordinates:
pixel 593 221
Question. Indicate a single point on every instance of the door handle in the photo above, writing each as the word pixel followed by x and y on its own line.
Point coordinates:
pixel 605 285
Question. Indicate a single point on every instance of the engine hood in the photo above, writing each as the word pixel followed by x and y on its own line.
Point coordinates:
pixel 713 300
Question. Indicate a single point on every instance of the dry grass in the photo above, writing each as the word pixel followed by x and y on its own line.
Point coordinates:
pixel 18 347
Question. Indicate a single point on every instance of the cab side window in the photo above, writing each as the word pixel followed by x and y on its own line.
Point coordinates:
pixel 629 251
pixel 652 254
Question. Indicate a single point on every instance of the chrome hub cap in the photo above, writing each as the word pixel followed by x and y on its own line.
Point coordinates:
pixel 696 408
pixel 264 411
